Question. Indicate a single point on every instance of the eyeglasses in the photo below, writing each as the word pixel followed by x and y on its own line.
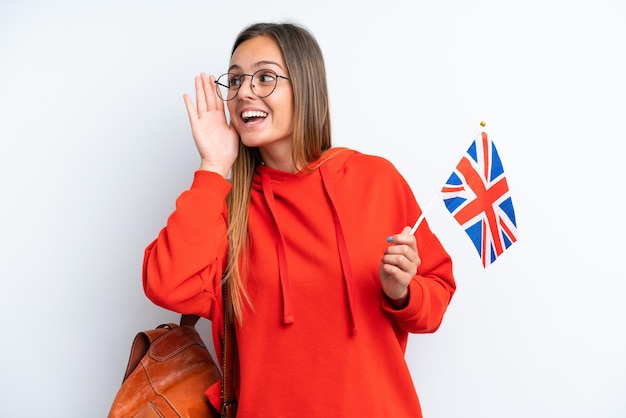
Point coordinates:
pixel 262 84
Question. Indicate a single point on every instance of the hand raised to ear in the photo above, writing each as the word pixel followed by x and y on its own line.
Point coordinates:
pixel 217 142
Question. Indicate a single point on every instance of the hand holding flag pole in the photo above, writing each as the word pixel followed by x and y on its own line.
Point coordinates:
pixel 477 195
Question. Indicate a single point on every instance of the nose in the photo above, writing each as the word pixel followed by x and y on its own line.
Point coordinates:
pixel 245 90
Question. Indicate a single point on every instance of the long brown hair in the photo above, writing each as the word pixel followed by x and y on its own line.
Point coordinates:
pixel 310 138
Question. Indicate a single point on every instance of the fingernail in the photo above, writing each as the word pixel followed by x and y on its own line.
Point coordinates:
pixel 389 239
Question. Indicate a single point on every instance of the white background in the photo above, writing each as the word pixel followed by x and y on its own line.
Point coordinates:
pixel 95 147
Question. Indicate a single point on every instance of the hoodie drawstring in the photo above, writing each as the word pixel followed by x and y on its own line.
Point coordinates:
pixel 348 277
pixel 283 272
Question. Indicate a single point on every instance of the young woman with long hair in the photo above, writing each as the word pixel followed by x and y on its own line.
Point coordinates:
pixel 312 242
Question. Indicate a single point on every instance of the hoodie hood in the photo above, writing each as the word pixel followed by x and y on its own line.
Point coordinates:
pixel 328 167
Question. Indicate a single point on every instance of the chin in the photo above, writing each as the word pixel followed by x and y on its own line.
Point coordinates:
pixel 256 139
pixel 250 142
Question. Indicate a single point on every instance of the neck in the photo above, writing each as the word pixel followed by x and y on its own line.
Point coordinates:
pixel 278 159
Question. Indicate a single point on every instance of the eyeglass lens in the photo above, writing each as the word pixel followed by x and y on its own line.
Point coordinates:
pixel 263 83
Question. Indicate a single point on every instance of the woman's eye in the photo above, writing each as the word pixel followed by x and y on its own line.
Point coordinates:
pixel 267 77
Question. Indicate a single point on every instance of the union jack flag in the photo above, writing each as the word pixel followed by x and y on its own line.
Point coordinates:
pixel 478 197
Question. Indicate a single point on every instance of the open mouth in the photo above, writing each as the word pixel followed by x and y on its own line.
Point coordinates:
pixel 253 116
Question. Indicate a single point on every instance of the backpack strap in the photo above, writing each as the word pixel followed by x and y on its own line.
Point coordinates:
pixel 229 358
pixel 141 345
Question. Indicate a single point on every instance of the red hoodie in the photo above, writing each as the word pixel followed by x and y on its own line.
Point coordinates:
pixel 321 339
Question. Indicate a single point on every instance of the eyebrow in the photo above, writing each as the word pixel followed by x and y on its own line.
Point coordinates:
pixel 258 64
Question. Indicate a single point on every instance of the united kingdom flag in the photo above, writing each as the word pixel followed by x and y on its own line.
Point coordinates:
pixel 478 197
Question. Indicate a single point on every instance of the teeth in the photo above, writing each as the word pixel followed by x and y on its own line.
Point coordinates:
pixel 253 114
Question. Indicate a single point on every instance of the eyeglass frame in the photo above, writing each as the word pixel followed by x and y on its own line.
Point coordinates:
pixel 217 84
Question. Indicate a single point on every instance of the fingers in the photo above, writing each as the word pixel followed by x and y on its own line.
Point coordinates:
pixel 404 237
pixel 206 97
pixel 400 263
pixel 402 252
pixel 201 103
pixel 191 110
pixel 208 85
pixel 403 243
pixel 219 103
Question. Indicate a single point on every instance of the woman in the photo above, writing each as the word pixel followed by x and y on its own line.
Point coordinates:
pixel 326 278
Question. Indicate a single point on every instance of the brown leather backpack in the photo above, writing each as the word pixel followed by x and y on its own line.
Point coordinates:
pixel 167 374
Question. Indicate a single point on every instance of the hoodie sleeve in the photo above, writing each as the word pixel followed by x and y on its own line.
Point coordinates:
pixel 432 288
pixel 182 268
